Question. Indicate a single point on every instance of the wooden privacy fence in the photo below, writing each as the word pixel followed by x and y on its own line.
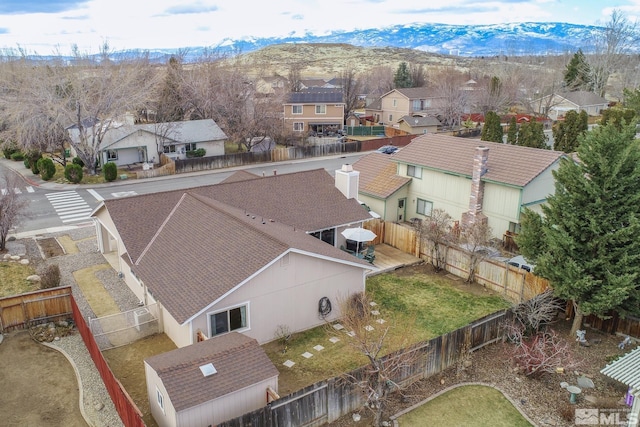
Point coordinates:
pixel 47 305
pixel 328 400
pixel 516 285
pixel 127 409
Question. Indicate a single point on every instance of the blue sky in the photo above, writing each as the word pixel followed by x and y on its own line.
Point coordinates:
pixel 45 26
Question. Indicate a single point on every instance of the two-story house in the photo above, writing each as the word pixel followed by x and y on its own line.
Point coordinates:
pixel 319 112
pixel 468 178
pixel 398 103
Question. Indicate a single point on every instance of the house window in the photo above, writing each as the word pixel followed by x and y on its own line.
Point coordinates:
pixel 112 155
pixel 296 109
pixel 160 399
pixel 395 102
pixel 191 146
pixel 424 207
pixel 417 105
pixel 229 320
pixel 298 126
pixel 414 171
pixel 169 148
pixel 321 109
pixel 390 118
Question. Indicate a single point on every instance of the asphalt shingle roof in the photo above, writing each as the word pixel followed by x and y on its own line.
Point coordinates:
pixel 378 175
pixel 584 98
pixel 417 121
pixel 239 361
pixel 507 164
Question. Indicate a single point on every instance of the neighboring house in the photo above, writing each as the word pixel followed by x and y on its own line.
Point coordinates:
pixel 373 111
pixel 626 370
pixel 417 125
pixel 470 179
pixel 262 143
pixel 314 111
pixel 271 85
pixel 128 143
pixel 248 254
pixel 315 84
pixel 555 106
pixel 381 188
pixel 209 382
pixel 406 102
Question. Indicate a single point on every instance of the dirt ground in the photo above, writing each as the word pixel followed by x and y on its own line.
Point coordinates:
pixel 42 382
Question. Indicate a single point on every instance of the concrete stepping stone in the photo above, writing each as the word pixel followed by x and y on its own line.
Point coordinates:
pixel 338 326
pixel 289 363
pixel 318 348
pixel 584 382
pixel 351 334
pixel 373 303
pixel 381 321
pixel 307 355
pixel 375 312
pixel 334 339
pixel 369 328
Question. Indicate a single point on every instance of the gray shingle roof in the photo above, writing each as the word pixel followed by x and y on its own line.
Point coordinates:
pixel 317 97
pixel 416 92
pixel 419 121
pixel 584 98
pixel 239 360
pixel 626 369
pixel 191 131
pixel 507 164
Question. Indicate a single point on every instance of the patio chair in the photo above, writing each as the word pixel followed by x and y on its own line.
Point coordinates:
pixel 369 254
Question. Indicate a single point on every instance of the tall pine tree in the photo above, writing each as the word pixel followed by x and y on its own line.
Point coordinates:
pixel 492 129
pixel 567 132
pixel 587 243
pixel 531 134
pixel 402 78
pixel 512 133
pixel 576 75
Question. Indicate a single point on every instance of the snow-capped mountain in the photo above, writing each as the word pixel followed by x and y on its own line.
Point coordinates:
pixel 526 38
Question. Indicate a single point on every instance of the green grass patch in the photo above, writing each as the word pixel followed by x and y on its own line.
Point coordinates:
pixel 421 306
pixel 13 279
pixel 469 406
pixel 232 148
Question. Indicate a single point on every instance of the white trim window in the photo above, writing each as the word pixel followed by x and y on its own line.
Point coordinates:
pixel 112 155
pixel 424 207
pixel 190 146
pixel 414 171
pixel 296 109
pixel 231 319
pixel 160 399
pixel 321 109
pixel 298 126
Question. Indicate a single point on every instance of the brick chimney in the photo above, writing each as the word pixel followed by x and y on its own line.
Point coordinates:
pixel 474 214
pixel 347 181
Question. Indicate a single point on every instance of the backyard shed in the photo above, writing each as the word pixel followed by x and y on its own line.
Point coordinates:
pixel 627 370
pixel 209 382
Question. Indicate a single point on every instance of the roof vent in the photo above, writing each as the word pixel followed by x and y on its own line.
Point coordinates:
pixel 208 369
pixel 347 168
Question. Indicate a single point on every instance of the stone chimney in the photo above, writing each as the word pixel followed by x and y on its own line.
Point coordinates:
pixel 474 214
pixel 347 181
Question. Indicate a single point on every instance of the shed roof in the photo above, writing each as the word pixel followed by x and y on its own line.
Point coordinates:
pixel 239 361
pixel 507 164
pixel 626 369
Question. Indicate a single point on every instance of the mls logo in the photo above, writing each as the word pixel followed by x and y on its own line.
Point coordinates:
pixel 587 417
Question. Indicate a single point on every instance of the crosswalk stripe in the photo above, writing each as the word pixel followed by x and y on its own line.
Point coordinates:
pixel 69 206
pixel 17 190
pixel 30 189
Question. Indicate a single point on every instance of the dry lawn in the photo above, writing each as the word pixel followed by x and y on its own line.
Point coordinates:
pixel 13 279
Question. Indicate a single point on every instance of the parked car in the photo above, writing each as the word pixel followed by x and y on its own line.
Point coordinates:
pixel 520 262
pixel 388 149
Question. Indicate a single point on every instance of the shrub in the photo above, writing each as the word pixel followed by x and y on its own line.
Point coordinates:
pixel 50 277
pixel 73 173
pixel 77 161
pixel 27 162
pixel 200 152
pixel 17 156
pixel 32 161
pixel 8 148
pixel 46 167
pixel 110 171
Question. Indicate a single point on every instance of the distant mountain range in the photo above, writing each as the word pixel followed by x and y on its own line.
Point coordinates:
pixel 528 38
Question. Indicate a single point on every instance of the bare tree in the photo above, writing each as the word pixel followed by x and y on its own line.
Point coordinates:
pixel 451 102
pixel 436 229
pixel 418 75
pixel 378 80
pixel 537 312
pixel 351 88
pixel 374 340
pixel 475 241
pixel 12 205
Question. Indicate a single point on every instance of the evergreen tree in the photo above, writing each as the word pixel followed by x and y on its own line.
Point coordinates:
pixel 531 134
pixel 576 75
pixel 402 78
pixel 567 132
pixel 632 99
pixel 586 244
pixel 492 129
pixel 512 133
pixel 170 106
pixel 618 116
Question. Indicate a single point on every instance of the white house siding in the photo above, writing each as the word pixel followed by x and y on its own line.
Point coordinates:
pixel 537 190
pixel 168 417
pixel 180 335
pixel 376 205
pixel 212 148
pixel 227 407
pixel 447 192
pixel 126 156
pixel 501 206
pixel 288 293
